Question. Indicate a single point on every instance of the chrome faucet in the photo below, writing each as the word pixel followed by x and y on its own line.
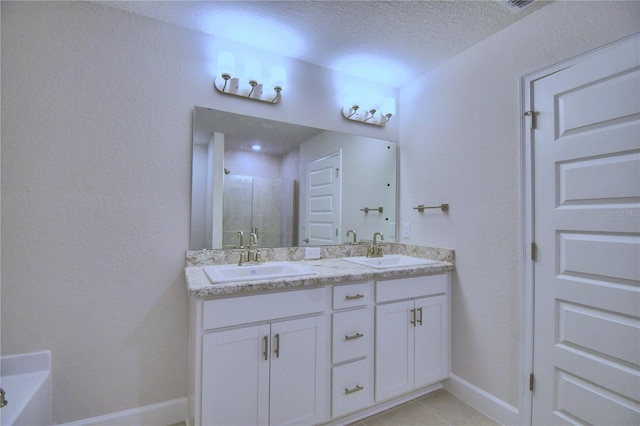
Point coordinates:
pixel 351 231
pixel 375 250
pixel 251 256
pixel 240 236
pixel 253 241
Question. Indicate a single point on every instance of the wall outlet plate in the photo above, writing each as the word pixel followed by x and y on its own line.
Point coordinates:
pixel 406 230
pixel 312 253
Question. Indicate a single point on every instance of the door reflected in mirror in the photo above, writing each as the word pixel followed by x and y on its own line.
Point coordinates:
pixel 305 186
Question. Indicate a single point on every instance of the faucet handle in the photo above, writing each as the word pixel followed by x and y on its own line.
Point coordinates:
pixel 243 258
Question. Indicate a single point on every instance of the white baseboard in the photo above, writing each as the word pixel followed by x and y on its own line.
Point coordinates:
pixel 380 407
pixel 161 414
pixel 483 401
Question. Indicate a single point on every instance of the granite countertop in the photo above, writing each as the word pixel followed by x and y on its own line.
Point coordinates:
pixel 331 270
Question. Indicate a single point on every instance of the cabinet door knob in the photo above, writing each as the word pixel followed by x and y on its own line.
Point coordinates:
pixel 347 391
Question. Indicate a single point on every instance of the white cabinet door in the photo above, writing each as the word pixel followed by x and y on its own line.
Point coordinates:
pixel 298 371
pixel 431 340
pixel 265 374
pixel 235 377
pixel 412 345
pixel 394 349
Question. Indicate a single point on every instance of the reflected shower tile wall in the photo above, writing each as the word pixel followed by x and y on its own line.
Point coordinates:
pixel 263 203
pixel 236 208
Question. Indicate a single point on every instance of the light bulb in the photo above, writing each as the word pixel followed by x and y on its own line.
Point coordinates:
pixel 226 64
pixel 253 71
pixel 388 107
pixel 278 77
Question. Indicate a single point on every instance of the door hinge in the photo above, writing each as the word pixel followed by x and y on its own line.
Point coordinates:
pixel 534 251
pixel 533 118
pixel 531 381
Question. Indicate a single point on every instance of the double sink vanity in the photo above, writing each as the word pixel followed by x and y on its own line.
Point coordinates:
pixel 323 340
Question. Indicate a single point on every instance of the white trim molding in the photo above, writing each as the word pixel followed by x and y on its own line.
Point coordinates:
pixel 163 413
pixel 483 401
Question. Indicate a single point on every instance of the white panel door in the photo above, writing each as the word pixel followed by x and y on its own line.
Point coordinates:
pixel 323 203
pixel 587 228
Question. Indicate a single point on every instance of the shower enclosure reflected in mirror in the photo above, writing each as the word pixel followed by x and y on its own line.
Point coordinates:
pixel 264 206
pixel 305 186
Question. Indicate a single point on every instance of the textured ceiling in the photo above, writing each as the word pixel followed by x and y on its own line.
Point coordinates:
pixel 390 42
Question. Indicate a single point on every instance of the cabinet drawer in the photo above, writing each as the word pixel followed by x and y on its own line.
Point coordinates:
pixel 352 295
pixel 352 334
pixel 408 288
pixel 352 387
pixel 264 307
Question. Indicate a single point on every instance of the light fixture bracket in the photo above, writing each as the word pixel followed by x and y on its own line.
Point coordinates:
pixel 228 85
pixel 353 113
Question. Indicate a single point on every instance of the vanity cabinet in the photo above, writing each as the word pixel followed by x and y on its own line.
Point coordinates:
pixel 412 334
pixel 329 354
pixel 263 360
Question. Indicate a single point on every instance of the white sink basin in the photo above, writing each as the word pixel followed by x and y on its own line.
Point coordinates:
pixel 265 271
pixel 390 261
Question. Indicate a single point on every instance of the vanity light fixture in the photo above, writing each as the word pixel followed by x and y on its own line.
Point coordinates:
pixel 227 82
pixel 378 116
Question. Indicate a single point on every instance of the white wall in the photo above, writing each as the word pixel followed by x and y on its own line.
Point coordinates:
pixel 96 180
pixel 460 143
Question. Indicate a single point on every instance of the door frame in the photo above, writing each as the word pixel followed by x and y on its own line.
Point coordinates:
pixel 527 231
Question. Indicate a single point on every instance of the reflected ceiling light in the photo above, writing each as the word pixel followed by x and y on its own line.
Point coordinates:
pixel 256 147
pixel 372 114
pixel 250 87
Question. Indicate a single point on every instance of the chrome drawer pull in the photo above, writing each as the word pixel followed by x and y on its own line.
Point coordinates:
pixel 347 391
pixel 357 296
pixel 355 336
pixel 420 319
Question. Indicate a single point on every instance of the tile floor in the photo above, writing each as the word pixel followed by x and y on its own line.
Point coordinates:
pixel 437 408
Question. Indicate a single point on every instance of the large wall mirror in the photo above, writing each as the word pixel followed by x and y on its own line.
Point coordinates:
pixel 291 185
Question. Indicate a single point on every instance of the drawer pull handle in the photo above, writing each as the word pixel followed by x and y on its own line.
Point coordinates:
pixel 266 347
pixel 357 296
pixel 420 317
pixel 277 345
pixel 355 336
pixel 358 388
pixel 413 317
